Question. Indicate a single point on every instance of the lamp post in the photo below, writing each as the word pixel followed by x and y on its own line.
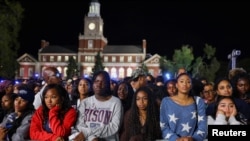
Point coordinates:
pixel 235 53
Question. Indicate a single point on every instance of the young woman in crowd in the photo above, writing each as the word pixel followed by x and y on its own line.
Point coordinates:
pixel 81 91
pixel 208 93
pixel 241 86
pixel 226 113
pixel 100 115
pixel 170 87
pixel 124 92
pixel 16 126
pixel 182 116
pixel 141 121
pixel 7 104
pixel 223 87
pixel 53 120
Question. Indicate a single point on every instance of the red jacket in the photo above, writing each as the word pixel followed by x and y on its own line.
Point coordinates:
pixel 59 130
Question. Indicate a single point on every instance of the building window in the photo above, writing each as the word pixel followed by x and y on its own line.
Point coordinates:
pixel 44 59
pixel 74 57
pixel 51 58
pixel 89 71
pixel 89 58
pixel 66 58
pixel 113 59
pixel 30 72
pixel 65 71
pixel 90 43
pixel 129 72
pixel 113 73
pixel 106 69
pixel 138 59
pixel 129 58
pixel 59 58
pixel 121 73
pixel 151 71
pixel 121 58
pixel 21 71
pixel 106 59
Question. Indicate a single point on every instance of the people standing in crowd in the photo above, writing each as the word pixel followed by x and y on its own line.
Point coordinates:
pixel 113 84
pixel 7 105
pixel 182 116
pixel 150 79
pixel 82 90
pixel 124 92
pixel 241 86
pixel 100 115
pixel 69 86
pixel 17 125
pixel 53 120
pixel 223 87
pixel 235 71
pixel 226 113
pixel 7 87
pixel 208 93
pixel 141 121
pixel 170 87
pixel 47 73
pixel 180 71
pixel 138 79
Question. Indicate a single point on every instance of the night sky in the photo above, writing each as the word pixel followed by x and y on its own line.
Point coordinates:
pixel 166 25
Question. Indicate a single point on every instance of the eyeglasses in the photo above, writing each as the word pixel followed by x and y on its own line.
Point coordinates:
pixel 208 92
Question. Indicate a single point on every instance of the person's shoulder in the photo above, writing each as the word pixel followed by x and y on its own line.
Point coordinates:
pixel 199 99
pixel 167 98
pixel 72 110
pixel 239 101
pixel 115 99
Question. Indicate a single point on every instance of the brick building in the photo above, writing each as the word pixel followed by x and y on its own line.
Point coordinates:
pixel 118 60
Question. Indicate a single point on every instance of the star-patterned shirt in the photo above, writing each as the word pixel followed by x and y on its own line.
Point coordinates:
pixel 177 120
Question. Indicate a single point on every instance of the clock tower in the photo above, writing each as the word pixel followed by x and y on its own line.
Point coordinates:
pixel 92 40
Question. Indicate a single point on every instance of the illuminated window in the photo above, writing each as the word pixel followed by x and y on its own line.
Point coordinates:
pixel 59 58
pixel 44 59
pixel 30 72
pixel 66 58
pixel 113 59
pixel 129 72
pixel 113 73
pixel 106 69
pixel 129 58
pixel 90 43
pixel 121 58
pixel 65 71
pixel 89 58
pixel 52 58
pixel 21 71
pixel 121 73
pixel 106 59
pixel 138 59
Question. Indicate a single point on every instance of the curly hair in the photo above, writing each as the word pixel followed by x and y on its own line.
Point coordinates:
pixel 151 129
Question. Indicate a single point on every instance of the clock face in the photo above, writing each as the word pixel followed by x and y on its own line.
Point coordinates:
pixel 92 26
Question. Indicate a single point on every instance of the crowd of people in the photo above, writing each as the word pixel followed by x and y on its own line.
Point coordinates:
pixel 137 108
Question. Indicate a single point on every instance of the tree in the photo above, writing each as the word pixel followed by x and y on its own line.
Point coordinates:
pixel 207 65
pixel 11 16
pixel 72 68
pixel 98 63
pixel 202 66
pixel 145 68
pixel 181 58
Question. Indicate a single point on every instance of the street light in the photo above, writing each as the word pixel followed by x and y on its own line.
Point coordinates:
pixel 235 53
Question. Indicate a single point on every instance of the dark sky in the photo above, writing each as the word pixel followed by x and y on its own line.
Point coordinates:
pixel 166 25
